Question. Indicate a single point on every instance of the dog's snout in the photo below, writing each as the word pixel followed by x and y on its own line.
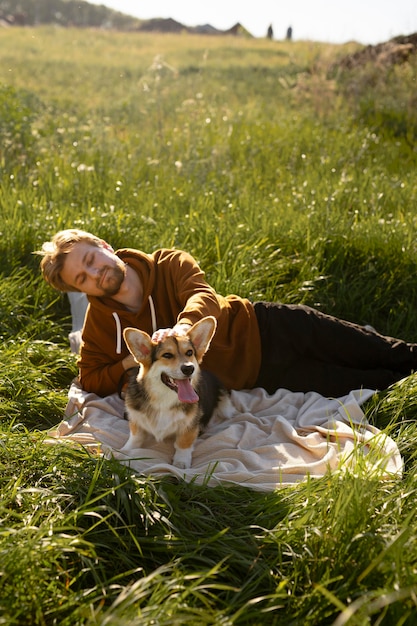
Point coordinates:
pixel 187 369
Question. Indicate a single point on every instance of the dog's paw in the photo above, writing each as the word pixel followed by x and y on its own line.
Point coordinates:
pixel 131 444
pixel 180 465
pixel 182 458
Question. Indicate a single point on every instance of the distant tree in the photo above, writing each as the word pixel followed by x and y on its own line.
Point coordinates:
pixel 270 32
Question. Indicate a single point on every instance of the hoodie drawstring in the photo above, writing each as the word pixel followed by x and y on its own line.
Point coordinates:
pixel 153 314
pixel 119 325
pixel 118 333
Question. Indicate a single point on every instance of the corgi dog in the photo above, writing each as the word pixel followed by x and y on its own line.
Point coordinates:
pixel 171 395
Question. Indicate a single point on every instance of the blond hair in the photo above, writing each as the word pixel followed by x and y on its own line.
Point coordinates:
pixel 54 252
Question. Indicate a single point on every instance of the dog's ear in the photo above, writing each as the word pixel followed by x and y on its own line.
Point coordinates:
pixel 201 334
pixel 139 344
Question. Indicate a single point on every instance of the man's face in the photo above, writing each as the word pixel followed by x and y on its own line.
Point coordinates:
pixel 94 270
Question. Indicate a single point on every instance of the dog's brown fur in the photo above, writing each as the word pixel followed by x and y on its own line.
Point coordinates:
pixel 171 395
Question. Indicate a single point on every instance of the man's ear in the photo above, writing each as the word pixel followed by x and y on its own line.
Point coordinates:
pixel 106 245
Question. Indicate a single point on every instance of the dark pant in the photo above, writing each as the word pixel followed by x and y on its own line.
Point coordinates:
pixel 306 350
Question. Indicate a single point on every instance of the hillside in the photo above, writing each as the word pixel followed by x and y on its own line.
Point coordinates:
pixel 72 13
pixel 64 13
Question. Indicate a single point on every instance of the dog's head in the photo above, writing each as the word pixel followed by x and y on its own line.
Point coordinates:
pixel 175 361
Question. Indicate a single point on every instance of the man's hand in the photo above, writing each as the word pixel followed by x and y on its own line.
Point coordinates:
pixel 179 330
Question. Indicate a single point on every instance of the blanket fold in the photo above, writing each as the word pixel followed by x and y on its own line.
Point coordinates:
pixel 271 441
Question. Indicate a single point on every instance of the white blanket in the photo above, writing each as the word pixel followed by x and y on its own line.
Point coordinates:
pixel 272 441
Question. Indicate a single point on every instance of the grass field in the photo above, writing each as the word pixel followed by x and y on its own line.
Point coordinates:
pixel 288 180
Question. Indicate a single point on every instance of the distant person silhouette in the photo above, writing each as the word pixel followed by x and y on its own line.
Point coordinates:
pixel 270 32
pixel 289 33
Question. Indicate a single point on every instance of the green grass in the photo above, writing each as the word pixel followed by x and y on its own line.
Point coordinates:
pixel 289 181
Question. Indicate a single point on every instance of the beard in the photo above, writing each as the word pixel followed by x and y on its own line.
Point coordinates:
pixel 112 277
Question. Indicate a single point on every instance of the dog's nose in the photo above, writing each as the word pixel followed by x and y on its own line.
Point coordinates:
pixel 187 369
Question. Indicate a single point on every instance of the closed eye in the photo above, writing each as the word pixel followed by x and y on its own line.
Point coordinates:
pixel 80 279
pixel 88 260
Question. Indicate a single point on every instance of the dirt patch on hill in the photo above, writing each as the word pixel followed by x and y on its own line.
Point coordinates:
pixel 392 52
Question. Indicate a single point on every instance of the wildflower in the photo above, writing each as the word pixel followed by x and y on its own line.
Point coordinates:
pixel 82 167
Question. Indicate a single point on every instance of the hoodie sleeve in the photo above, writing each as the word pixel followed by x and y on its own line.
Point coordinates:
pixel 100 365
pixel 235 352
pixel 185 280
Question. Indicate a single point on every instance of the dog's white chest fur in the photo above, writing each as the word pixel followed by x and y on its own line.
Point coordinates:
pixel 162 423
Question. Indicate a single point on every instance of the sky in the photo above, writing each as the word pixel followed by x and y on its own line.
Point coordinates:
pixel 335 21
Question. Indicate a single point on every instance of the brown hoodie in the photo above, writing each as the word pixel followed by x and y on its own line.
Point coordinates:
pixel 174 290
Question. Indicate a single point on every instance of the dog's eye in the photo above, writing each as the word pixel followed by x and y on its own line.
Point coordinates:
pixel 189 352
pixel 167 355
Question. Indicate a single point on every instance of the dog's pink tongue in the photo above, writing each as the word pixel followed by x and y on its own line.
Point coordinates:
pixel 186 392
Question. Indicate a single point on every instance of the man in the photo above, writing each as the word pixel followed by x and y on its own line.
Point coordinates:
pixel 269 345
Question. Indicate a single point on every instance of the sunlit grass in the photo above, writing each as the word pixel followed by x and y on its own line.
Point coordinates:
pixel 255 157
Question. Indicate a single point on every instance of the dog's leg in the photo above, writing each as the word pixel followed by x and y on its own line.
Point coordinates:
pixel 184 445
pixel 136 437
